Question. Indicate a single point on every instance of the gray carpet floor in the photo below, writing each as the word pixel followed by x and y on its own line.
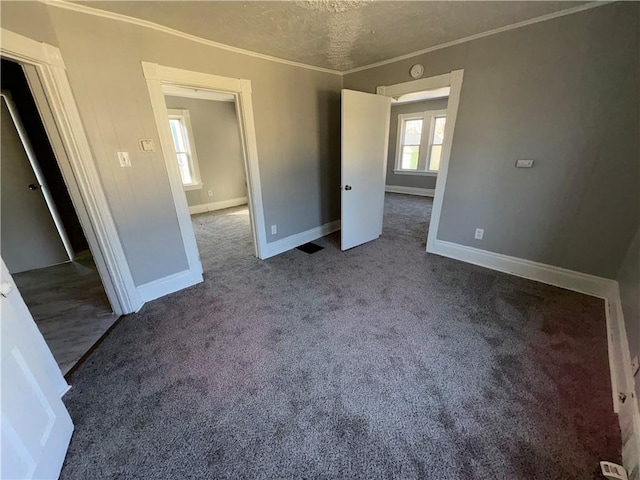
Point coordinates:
pixel 379 362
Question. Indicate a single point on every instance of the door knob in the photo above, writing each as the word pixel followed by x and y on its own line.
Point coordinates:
pixel 33 186
pixel 347 187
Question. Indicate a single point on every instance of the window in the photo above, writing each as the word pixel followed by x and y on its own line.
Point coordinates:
pixel 180 126
pixel 420 138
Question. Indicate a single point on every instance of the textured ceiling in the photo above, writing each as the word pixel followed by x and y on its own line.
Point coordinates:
pixel 338 35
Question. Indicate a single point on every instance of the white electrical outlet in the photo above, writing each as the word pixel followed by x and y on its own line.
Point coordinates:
pixel 274 229
pixel 635 366
pixel 210 193
pixel 124 159
pixel 479 233
pixel 613 471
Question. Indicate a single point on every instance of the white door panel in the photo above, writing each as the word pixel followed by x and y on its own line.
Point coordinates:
pixel 365 138
pixel 36 428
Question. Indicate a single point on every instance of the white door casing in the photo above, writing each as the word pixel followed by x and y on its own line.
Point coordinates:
pixel 36 427
pixel 49 84
pixel 365 139
pixel 454 81
pixel 159 76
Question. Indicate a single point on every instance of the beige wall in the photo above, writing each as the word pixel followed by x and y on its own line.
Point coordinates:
pixel 30 19
pixel 296 117
pixel 562 92
pixel 216 135
pixel 414 181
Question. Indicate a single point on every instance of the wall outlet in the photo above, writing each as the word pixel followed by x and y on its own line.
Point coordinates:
pixel 635 366
pixel 210 193
pixel 479 233
pixel 613 471
pixel 274 229
pixel 124 159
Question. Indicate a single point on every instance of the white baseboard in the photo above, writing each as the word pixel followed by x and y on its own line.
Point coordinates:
pixel 293 241
pixel 165 286
pixel 560 277
pixel 423 192
pixel 618 346
pixel 211 207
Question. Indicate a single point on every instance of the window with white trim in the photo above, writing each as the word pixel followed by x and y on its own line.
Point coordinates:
pixel 182 135
pixel 420 139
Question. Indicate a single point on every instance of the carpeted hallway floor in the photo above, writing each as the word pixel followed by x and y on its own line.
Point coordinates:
pixel 379 362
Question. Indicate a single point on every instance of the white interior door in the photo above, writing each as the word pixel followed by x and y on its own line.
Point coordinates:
pixel 29 236
pixel 365 139
pixel 36 428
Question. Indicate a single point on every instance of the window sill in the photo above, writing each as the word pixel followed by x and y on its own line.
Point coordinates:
pixel 415 172
pixel 194 186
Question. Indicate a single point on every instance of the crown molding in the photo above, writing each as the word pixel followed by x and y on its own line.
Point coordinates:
pixel 171 31
pixel 488 33
pixel 64 4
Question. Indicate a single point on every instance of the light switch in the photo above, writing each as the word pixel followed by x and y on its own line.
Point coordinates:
pixel 524 163
pixel 147 145
pixel 125 161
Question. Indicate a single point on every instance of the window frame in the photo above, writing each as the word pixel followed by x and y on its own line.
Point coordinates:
pixel 426 141
pixel 182 114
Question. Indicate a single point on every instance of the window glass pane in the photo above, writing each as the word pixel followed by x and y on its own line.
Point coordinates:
pixel 176 133
pixel 410 158
pixel 438 131
pixel 412 132
pixel 434 159
pixel 185 171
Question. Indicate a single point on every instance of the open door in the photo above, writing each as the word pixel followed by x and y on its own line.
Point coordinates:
pixel 365 138
pixel 36 427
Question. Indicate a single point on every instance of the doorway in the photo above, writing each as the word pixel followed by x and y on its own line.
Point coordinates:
pixel 43 242
pixel 416 135
pixel 160 77
pixel 436 141
pixel 208 146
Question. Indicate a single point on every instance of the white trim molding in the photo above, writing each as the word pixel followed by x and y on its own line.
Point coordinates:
pixel 169 284
pixel 560 277
pixel 213 206
pixel 422 192
pixel 293 241
pixel 77 163
pixel 157 77
pixel 171 31
pixel 488 33
pixel 625 402
pixel 454 81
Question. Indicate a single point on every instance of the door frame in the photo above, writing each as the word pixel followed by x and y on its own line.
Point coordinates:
pixel 77 165
pixel 37 171
pixel 157 76
pixel 454 81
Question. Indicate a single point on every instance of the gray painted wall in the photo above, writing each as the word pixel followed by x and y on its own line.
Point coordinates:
pixel 218 148
pixel 565 93
pixel 297 120
pixel 629 281
pixel 417 181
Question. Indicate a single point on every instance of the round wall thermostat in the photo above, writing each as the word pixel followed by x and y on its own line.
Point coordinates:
pixel 416 71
